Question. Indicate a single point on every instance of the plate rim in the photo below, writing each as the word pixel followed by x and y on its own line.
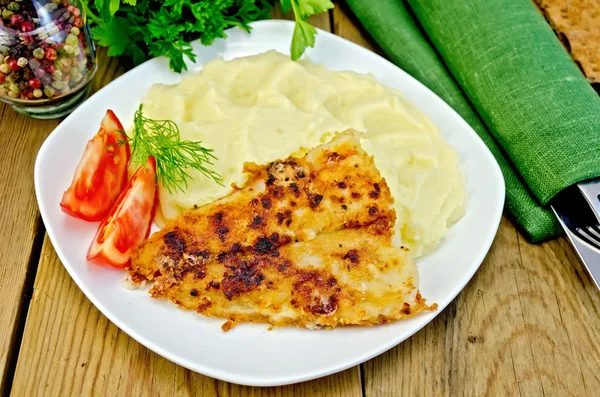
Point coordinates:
pixel 285 380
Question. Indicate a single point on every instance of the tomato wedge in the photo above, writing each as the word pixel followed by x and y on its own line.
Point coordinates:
pixel 128 223
pixel 101 174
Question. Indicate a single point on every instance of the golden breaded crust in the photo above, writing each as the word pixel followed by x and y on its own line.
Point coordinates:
pixel 329 189
pixel 351 276
pixel 306 242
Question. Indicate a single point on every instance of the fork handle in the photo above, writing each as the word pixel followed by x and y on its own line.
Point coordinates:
pixel 591 191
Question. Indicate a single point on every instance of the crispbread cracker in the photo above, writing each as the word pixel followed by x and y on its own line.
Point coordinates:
pixel 577 23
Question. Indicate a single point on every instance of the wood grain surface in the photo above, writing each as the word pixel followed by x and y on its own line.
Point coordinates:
pixel 20 139
pixel 527 324
pixel 70 349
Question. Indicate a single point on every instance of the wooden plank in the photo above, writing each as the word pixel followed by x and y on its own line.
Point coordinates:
pixel 347 26
pixel 21 228
pixel 20 139
pixel 473 347
pixel 526 324
pixel 108 70
pixel 562 312
pixel 70 348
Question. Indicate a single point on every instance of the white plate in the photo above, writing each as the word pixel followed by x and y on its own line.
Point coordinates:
pixel 249 354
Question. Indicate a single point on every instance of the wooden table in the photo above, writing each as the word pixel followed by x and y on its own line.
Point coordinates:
pixel 528 323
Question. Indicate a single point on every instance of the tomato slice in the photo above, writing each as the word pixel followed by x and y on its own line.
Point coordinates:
pixel 101 174
pixel 128 223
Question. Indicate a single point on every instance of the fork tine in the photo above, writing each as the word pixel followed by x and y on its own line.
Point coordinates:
pixel 589 238
pixel 594 234
pixel 595 231
pixel 596 228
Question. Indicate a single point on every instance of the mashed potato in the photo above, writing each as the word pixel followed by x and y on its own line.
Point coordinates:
pixel 266 107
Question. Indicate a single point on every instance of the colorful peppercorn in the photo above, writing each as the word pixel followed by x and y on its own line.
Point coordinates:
pixel 48 55
pixel 26 27
pixel 59 85
pixel 16 19
pixel 28 94
pixel 12 64
pixel 76 74
pixel 35 83
pixel 39 53
pixel 13 6
pixel 72 40
pixel 49 91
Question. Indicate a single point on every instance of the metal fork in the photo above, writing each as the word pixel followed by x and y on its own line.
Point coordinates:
pixel 578 211
pixel 590 235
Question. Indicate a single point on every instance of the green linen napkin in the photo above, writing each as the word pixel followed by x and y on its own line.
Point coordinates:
pixel 513 74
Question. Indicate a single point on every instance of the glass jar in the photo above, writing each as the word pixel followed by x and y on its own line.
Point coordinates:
pixel 47 57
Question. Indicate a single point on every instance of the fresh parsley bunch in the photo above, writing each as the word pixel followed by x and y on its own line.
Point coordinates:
pixel 147 28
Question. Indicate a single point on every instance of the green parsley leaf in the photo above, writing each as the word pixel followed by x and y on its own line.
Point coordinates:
pixel 286 6
pixel 176 4
pixel 114 6
pixel 103 8
pixel 249 11
pixel 163 25
pixel 304 36
pixel 138 55
pixel 140 29
pixel 175 51
pixel 304 33
pixel 307 8
pixel 113 34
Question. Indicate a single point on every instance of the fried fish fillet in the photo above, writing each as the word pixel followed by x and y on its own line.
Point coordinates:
pixel 307 241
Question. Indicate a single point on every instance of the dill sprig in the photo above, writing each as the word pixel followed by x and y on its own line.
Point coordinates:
pixel 174 157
